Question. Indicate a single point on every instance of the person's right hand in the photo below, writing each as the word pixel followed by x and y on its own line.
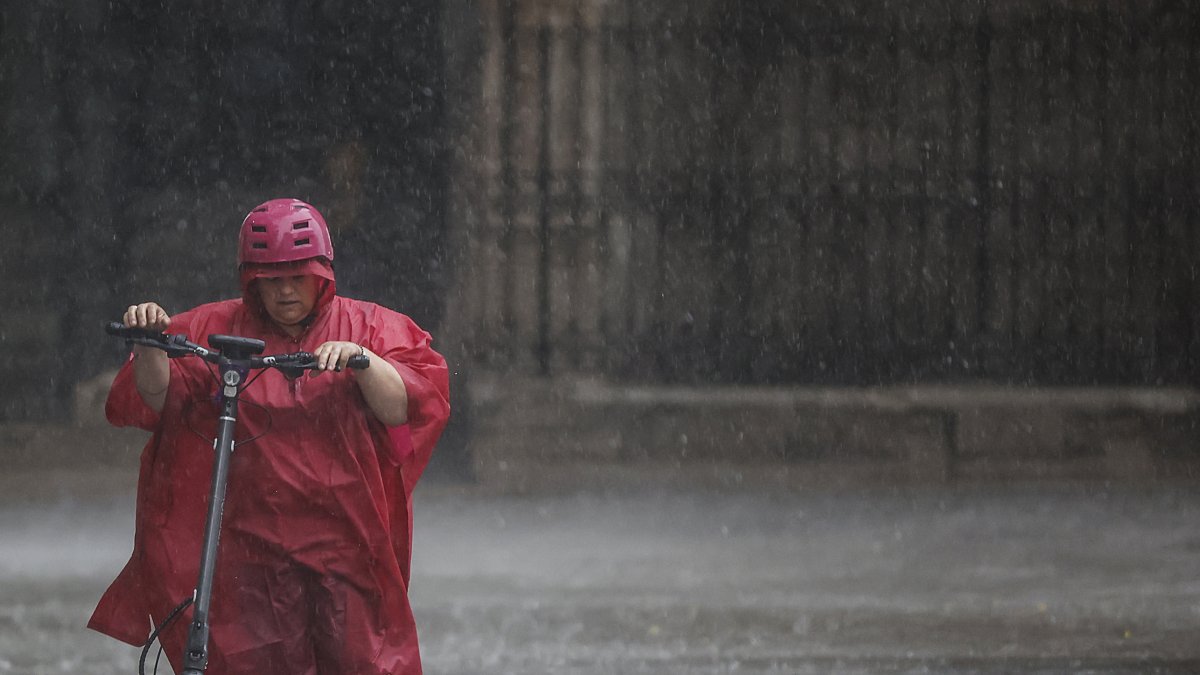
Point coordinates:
pixel 151 374
pixel 146 315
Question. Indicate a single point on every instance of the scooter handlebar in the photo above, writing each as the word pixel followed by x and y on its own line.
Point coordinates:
pixel 178 345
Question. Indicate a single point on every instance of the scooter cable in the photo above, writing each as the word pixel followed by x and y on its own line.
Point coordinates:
pixel 153 636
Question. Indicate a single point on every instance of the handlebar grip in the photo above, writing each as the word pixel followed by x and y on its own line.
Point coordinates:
pixel 359 361
pixel 118 329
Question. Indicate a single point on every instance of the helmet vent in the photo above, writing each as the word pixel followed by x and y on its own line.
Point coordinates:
pixel 261 209
pixel 258 244
pixel 302 225
pixel 302 242
pixel 258 228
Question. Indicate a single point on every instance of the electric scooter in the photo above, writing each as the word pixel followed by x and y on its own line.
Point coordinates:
pixel 234 357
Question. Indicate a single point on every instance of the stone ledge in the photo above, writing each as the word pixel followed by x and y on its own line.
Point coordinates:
pixel 530 433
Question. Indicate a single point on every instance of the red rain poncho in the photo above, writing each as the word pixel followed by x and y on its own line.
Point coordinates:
pixel 313 568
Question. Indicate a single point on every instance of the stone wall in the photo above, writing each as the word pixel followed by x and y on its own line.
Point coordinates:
pixel 828 192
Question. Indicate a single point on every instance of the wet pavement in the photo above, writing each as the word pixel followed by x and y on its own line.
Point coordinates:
pixel 986 580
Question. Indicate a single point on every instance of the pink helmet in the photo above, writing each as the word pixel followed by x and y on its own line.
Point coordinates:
pixel 283 230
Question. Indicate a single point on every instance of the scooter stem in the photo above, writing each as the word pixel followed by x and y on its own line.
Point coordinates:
pixel 195 656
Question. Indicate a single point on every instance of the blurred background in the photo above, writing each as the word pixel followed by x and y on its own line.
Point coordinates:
pixel 689 193
pixel 705 245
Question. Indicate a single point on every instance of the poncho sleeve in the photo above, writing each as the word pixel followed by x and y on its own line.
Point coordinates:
pixel 124 406
pixel 399 340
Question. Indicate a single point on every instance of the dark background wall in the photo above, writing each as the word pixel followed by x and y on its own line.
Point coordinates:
pixel 137 135
pixel 707 191
pixel 833 192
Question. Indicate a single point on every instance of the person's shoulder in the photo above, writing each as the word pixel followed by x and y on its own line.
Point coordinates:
pixel 371 310
pixel 219 308
pixel 379 317
pixel 219 312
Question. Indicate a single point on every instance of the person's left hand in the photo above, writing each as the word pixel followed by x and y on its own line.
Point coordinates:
pixel 334 355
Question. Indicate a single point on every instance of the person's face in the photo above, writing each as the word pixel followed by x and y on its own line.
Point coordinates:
pixel 288 299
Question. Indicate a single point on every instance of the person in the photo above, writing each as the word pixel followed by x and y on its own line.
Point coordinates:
pixel 313 566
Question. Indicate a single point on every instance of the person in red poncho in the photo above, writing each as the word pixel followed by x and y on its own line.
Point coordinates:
pixel 313 570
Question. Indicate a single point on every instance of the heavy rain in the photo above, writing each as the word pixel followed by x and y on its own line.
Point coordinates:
pixel 780 336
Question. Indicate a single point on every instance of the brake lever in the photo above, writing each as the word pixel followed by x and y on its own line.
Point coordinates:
pixel 290 372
